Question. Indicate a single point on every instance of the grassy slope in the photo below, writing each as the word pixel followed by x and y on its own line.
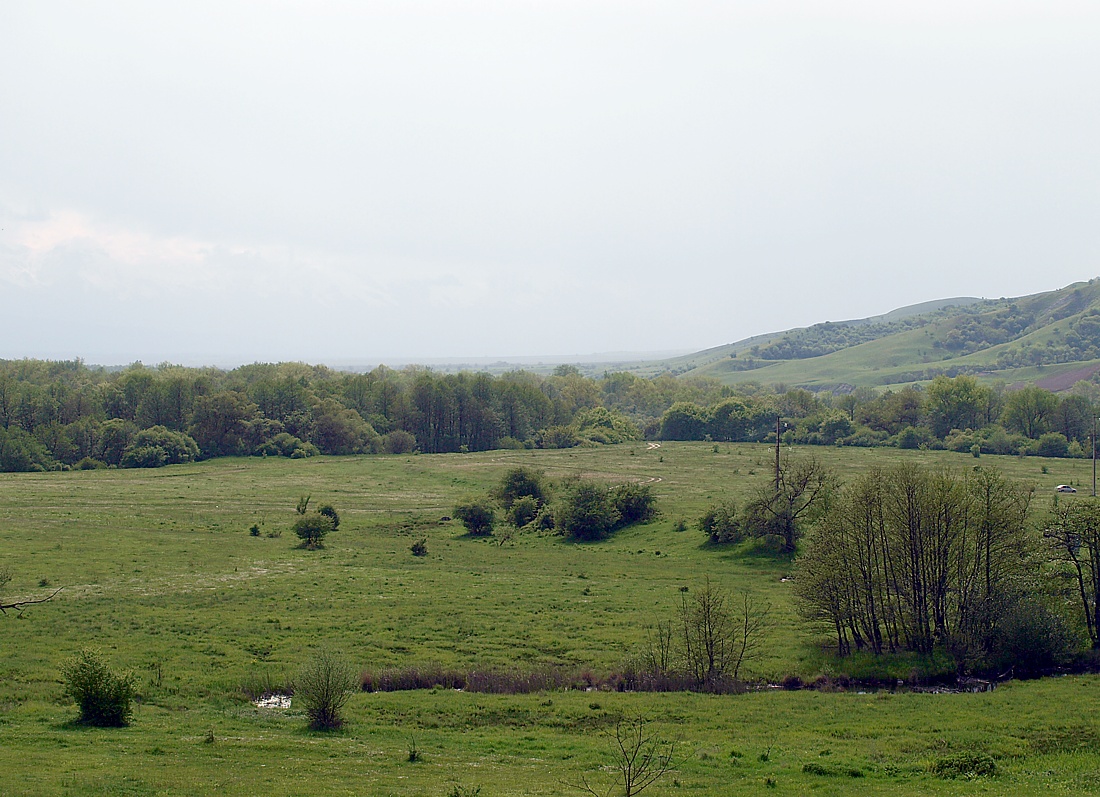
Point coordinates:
pixel 891 360
pixel 703 362
pixel 161 573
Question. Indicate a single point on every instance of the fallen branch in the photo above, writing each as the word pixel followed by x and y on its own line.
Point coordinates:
pixel 19 605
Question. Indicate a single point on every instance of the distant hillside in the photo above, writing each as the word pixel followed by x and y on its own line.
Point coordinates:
pixel 1051 337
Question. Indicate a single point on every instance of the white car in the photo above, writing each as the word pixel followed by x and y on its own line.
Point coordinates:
pixel 1064 488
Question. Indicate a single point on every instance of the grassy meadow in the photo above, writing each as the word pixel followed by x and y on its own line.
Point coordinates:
pixel 161 573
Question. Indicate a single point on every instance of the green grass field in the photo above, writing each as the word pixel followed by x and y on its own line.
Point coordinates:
pixel 160 572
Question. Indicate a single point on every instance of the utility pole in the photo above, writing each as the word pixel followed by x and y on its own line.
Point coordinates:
pixel 777 458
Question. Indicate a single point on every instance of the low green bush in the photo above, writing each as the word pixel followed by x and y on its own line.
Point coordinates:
pixel 965 765
pixel 477 516
pixel 103 696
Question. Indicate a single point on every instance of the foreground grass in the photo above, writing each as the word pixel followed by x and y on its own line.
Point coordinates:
pixel 161 573
pixel 1042 735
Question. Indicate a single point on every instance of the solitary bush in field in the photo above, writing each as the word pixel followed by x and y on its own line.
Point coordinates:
pixel 477 516
pixel 324 687
pixel 103 696
pixel 312 528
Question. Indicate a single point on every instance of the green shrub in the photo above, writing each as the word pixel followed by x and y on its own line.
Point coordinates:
pixel 399 442
pixel 635 503
pixel 104 697
pixel 477 516
pixel 420 547
pixel 965 765
pixel 1053 444
pixel 522 511
pixel 557 437
pixel 330 512
pixel 604 426
pixel 586 511
pixel 519 483
pixel 722 524
pixel 913 437
pixel 544 520
pixel 144 457
pixel 1031 637
pixel 312 528
pixel 287 445
pixel 156 446
pixel 323 687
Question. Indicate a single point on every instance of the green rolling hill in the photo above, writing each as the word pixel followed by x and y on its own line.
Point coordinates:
pixel 1052 339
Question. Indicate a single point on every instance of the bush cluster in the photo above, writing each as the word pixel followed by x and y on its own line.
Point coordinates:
pixel 583 510
pixel 590 510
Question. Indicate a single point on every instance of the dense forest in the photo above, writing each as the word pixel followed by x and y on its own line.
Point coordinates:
pixel 57 415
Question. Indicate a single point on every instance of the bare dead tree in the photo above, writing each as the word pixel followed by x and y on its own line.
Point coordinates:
pixel 640 757
pixel 660 647
pixel 720 631
pixel 752 628
pixel 707 629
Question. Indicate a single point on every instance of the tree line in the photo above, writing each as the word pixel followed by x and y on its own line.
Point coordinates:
pixel 957 413
pixel 66 414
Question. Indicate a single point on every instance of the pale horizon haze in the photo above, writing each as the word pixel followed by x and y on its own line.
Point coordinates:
pixel 230 182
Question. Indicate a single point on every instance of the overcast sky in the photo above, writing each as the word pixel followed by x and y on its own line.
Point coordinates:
pixel 224 182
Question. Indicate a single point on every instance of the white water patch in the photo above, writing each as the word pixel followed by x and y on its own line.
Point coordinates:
pixel 272 701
